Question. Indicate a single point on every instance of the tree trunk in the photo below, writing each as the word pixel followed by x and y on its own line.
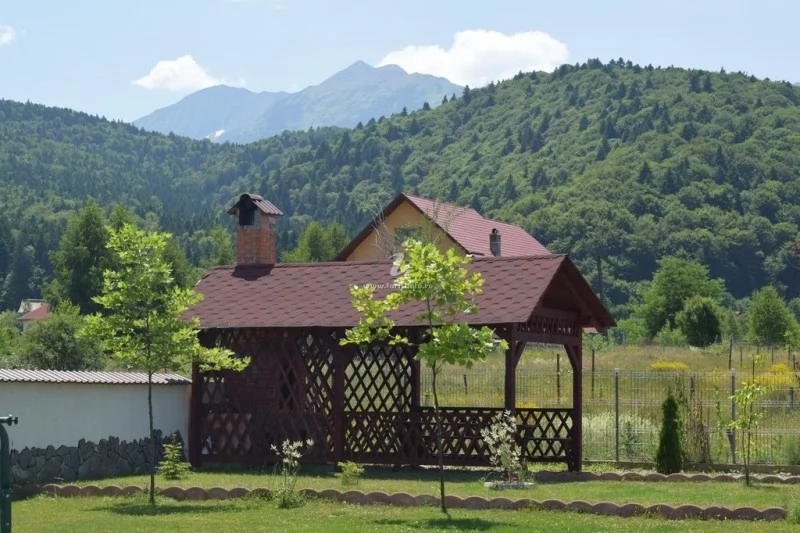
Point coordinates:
pixel 439 443
pixel 152 438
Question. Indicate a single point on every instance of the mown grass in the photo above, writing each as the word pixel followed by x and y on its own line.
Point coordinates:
pixel 127 515
pixel 470 483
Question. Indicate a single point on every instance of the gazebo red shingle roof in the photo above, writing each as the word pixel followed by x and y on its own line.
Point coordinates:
pixel 318 295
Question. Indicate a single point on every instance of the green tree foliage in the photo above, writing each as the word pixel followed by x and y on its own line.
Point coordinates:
pixel 318 243
pixel 699 321
pixel 727 198
pixel 9 338
pixel 768 317
pixel 675 281
pixel 81 258
pixel 222 247
pixel 445 288
pixel 142 324
pixel 54 343
pixel 669 457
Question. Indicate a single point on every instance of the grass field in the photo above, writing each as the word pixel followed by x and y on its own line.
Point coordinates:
pixel 544 379
pixel 128 515
pixel 470 483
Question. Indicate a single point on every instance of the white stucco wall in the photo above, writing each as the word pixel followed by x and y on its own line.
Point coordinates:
pixel 64 413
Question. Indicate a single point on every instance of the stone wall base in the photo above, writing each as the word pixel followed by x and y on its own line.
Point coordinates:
pixel 87 460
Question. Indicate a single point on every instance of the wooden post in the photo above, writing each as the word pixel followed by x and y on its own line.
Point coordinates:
pixel 510 402
pixel 341 358
pixel 576 359
pixel 558 378
pixel 730 354
pixel 592 372
pixel 194 440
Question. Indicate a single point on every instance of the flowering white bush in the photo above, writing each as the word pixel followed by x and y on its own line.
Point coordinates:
pixel 500 438
pixel 289 466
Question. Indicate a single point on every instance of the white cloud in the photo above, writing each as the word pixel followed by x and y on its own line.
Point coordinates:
pixel 183 74
pixel 477 57
pixel 7 35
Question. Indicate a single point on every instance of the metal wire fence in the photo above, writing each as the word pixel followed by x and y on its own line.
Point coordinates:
pixel 622 409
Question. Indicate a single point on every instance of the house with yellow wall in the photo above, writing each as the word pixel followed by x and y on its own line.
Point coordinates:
pixel 448 225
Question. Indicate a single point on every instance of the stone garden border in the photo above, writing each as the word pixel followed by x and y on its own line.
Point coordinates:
pixel 402 499
pixel 547 475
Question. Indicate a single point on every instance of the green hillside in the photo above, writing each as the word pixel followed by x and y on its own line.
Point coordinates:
pixel 615 163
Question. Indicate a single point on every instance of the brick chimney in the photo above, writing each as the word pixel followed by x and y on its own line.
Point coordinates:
pixel 256 230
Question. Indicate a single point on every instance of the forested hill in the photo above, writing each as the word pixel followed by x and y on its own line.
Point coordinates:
pixel 616 164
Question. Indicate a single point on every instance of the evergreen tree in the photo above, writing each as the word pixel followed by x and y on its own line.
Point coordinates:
pixel 669 457
pixel 82 257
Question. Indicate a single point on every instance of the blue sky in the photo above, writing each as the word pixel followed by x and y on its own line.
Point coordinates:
pixel 123 59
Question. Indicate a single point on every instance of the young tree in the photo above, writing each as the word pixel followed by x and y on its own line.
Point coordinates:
pixel 769 317
pixel 142 324
pixel 444 287
pixel 748 417
pixel 54 343
pixel 699 321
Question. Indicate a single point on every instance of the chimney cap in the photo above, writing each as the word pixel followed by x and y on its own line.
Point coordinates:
pixel 265 206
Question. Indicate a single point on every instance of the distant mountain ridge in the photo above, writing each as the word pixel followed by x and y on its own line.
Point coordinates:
pixel 356 94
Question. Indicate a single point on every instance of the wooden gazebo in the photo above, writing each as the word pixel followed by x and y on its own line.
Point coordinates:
pixel 362 404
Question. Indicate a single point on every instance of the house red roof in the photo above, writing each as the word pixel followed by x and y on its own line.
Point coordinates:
pixel 43 311
pixel 468 228
pixel 318 294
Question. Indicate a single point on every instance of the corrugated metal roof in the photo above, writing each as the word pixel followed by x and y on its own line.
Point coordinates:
pixel 264 205
pixel 66 376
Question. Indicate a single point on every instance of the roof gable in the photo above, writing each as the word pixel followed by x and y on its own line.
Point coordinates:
pixel 464 225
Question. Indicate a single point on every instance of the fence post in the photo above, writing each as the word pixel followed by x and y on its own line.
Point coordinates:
pixel 592 372
pixel 791 397
pixel 732 434
pixel 558 377
pixel 616 413
pixel 730 353
pixel 772 354
pixel 466 386
pixel 741 356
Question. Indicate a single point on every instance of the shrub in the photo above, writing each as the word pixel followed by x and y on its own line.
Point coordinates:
pixel 501 438
pixel 172 465
pixel 351 473
pixel 669 458
pixel 699 321
pixel 670 337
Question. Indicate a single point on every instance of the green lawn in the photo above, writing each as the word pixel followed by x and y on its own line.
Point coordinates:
pixel 470 483
pixel 123 515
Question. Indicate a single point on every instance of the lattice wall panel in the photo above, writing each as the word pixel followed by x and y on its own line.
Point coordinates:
pixel 378 379
pixel 545 434
pixel 285 393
